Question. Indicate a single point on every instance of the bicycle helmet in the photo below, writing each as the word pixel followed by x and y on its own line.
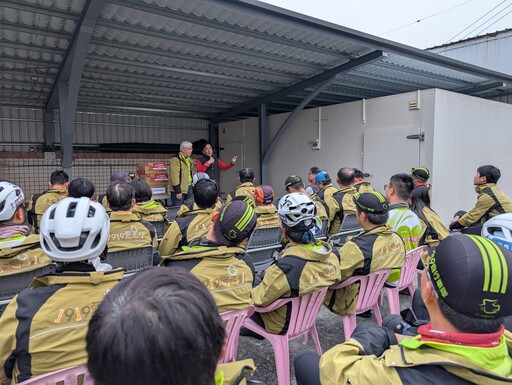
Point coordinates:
pixel 297 208
pixel 499 230
pixel 11 197
pixel 264 195
pixel 74 230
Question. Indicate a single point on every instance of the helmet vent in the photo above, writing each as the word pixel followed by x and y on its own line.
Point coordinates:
pixel 52 213
pixel 71 210
pixel 91 212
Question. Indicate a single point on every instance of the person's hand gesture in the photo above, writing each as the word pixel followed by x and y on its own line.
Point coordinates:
pixel 211 161
pixel 234 158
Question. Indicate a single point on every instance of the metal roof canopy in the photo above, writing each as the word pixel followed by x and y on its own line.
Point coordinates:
pixel 216 60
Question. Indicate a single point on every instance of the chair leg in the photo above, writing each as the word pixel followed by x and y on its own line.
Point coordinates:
pixel 394 300
pixel 349 324
pixel 316 340
pixel 282 359
pixel 378 315
pixel 411 289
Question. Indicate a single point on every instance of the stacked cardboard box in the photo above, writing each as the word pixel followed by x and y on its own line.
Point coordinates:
pixel 155 174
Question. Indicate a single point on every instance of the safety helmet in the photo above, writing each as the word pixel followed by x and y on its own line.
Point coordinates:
pixel 499 230
pixel 295 208
pixel 264 195
pixel 11 197
pixel 75 229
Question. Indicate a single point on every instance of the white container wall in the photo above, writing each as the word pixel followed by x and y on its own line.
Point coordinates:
pixel 459 135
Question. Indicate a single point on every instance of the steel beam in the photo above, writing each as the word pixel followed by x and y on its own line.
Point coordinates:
pixel 350 65
pixel 49 136
pixel 263 137
pixel 482 88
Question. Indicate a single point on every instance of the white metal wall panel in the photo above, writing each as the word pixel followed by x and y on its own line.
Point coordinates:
pixel 93 128
pixel 489 51
pixel 20 125
pixel 469 132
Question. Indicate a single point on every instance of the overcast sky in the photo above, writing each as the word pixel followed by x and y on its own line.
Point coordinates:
pixel 441 21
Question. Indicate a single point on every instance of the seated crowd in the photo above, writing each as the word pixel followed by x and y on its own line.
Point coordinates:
pixel 204 270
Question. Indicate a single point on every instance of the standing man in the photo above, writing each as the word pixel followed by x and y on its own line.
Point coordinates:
pixel 39 203
pixel 490 202
pixel 180 178
pixel 211 166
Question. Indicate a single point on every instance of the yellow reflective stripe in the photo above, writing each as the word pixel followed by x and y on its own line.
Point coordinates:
pixel 495 266
pixel 246 218
pixel 504 267
pixel 485 260
pixel 379 196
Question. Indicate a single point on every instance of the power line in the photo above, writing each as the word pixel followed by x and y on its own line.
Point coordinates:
pixel 489 26
pixel 492 17
pixel 476 21
pixel 428 17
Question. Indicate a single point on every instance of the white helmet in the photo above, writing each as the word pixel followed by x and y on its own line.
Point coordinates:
pixel 75 229
pixel 11 197
pixel 499 230
pixel 295 208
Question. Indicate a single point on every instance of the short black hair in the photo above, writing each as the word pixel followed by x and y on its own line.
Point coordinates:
pixel 346 176
pixel 246 175
pixel 205 193
pixel 358 173
pixel 403 184
pixel 314 170
pixel 493 174
pixel 81 187
pixel 120 195
pixel 374 219
pixel 159 327
pixel 143 192
pixel 59 177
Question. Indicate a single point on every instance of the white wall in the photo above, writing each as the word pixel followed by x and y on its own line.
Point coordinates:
pixel 461 133
pixel 469 132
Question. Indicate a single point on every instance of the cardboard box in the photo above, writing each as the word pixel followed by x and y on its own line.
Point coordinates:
pixel 148 167
pixel 157 183
pixel 156 176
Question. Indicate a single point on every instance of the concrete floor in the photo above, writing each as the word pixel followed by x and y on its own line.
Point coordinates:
pixel 330 331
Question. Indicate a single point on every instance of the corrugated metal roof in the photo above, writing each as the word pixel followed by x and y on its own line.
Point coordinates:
pixel 207 59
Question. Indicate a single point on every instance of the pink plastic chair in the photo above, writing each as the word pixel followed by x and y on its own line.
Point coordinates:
pixel 76 375
pixel 407 272
pixel 302 322
pixel 234 320
pixel 370 287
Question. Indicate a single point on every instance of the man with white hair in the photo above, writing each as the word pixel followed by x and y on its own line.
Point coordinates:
pixel 180 170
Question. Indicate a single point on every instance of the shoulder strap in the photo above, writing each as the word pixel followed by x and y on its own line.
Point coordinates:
pixel 496 206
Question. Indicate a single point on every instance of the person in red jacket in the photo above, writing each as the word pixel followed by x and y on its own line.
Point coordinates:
pixel 208 164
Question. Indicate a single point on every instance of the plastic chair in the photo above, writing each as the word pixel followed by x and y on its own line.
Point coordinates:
pixel 76 375
pixel 370 287
pixel 171 213
pixel 12 284
pixel 131 260
pixel 262 245
pixel 407 272
pixel 323 230
pixel 234 320
pixel 348 226
pixel 159 228
pixel 302 322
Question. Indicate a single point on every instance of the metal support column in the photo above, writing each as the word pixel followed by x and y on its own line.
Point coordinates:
pixel 49 135
pixel 263 138
pixel 67 129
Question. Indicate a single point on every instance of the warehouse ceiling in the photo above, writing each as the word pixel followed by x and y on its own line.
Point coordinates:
pixel 208 59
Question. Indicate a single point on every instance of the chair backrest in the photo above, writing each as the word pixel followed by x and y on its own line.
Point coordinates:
pixel 233 321
pixel 76 375
pixel 12 284
pixel 159 228
pixel 262 244
pixel 171 213
pixel 131 260
pixel 412 257
pixel 370 287
pixel 304 311
pixel 323 230
pixel 349 226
